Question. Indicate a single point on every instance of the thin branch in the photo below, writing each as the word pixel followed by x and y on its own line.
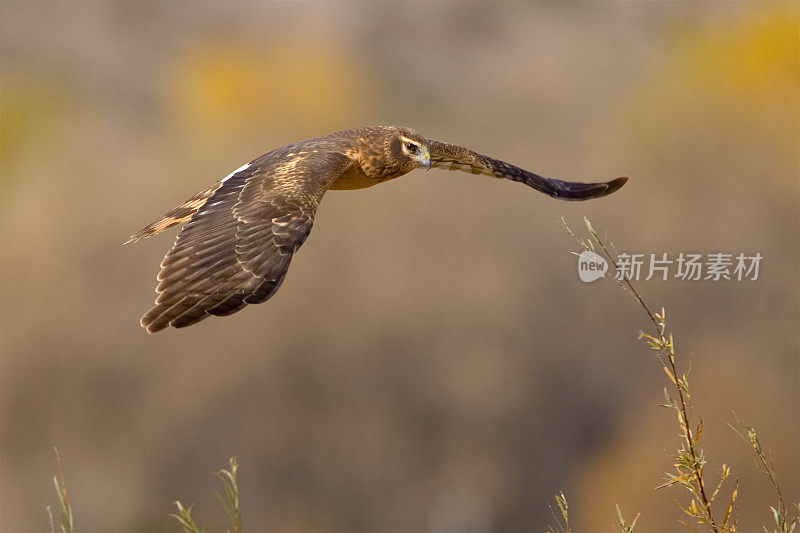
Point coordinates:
pixel 665 346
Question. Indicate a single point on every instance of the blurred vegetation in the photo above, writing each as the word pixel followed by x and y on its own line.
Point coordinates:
pixel 432 361
pixel 230 85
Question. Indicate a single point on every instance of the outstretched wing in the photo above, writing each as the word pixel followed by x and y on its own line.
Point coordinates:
pixel 237 246
pixel 452 157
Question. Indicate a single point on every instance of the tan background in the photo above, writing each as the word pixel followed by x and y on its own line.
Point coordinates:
pixel 433 361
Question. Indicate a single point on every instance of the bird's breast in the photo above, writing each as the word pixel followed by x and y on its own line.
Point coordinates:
pixel 355 178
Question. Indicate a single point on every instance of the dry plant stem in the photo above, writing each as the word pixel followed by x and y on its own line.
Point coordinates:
pixel 67 521
pixel 659 334
pixel 563 509
pixel 770 471
pixel 51 521
pixel 748 433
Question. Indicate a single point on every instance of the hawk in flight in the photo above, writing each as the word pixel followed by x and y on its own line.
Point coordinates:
pixel 242 230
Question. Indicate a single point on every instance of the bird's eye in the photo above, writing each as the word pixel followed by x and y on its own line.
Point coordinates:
pixel 411 147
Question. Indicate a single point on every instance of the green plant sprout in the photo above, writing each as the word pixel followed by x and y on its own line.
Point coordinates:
pixel 229 501
pixel 67 521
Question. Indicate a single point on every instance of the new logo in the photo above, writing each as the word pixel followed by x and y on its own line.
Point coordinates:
pixel 591 266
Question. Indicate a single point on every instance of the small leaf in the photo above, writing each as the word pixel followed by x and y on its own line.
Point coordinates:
pixel 669 402
pixel 733 501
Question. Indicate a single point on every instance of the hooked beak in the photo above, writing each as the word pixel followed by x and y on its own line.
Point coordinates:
pixel 425 159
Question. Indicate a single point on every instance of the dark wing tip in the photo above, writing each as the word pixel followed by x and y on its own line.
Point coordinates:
pixel 576 191
pixel 615 185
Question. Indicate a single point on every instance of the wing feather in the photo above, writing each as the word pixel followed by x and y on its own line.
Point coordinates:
pixel 184 212
pixel 238 244
pixel 452 157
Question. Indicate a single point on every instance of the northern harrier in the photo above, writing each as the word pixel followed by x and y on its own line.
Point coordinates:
pixel 243 230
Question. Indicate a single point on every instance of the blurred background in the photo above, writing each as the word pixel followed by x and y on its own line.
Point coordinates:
pixel 433 361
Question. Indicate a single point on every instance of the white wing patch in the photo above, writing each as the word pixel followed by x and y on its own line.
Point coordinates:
pixel 243 167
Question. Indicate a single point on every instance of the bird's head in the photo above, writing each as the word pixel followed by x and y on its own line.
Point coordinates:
pixel 411 149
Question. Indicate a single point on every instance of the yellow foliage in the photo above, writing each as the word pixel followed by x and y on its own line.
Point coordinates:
pixel 233 84
pixel 30 108
pixel 750 59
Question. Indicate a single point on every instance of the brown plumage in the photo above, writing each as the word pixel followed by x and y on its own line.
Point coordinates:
pixel 243 230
